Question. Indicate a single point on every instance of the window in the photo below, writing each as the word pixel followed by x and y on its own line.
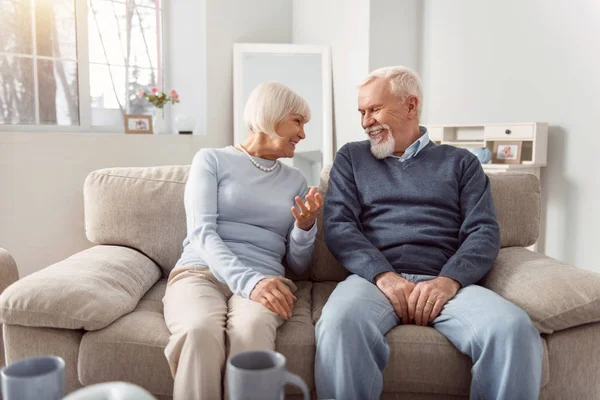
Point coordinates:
pixel 72 63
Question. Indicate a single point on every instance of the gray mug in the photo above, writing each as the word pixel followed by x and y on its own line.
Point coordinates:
pixel 36 378
pixel 260 375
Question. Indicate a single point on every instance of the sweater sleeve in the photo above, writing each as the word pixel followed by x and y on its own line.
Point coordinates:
pixel 300 243
pixel 479 235
pixel 200 200
pixel 342 227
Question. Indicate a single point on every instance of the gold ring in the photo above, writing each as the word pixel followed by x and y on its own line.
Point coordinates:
pixel 433 304
pixel 304 215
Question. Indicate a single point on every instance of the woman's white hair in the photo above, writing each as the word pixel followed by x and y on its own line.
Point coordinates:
pixel 404 82
pixel 270 103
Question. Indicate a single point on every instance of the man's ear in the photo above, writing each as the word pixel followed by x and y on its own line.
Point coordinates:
pixel 413 104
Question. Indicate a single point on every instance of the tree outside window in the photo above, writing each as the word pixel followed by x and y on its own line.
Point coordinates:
pixel 41 67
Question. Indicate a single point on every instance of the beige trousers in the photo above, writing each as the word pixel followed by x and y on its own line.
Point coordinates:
pixel 207 325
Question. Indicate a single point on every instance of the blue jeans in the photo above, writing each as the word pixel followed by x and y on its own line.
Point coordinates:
pixel 499 337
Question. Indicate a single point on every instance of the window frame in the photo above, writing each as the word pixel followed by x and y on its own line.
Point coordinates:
pixel 83 76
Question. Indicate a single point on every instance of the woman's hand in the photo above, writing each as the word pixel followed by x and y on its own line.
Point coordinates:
pixel 306 217
pixel 275 295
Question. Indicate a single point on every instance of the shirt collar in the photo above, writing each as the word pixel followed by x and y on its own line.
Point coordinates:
pixel 416 146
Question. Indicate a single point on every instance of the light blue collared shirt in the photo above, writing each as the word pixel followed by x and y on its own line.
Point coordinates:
pixel 416 146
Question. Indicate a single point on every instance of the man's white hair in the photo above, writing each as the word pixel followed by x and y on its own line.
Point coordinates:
pixel 404 82
pixel 270 103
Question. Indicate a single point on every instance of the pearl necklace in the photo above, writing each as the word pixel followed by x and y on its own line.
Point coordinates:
pixel 256 164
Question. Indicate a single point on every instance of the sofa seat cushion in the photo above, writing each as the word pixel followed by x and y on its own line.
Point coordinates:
pixel 132 348
pixel 296 338
pixel 88 290
pixel 421 359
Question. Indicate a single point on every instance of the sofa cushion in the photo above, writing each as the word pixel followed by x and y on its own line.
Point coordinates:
pixel 88 290
pixel 296 338
pixel 517 198
pixel 325 267
pixel 141 208
pixel 415 354
pixel 132 348
pixel 556 296
pixel 320 293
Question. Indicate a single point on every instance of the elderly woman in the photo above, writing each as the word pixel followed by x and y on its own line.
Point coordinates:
pixel 228 292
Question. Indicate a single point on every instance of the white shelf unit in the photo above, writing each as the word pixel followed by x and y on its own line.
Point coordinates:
pixel 532 135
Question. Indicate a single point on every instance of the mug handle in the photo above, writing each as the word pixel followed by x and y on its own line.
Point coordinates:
pixel 293 379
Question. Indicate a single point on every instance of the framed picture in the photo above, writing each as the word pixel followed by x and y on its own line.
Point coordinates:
pixel 138 123
pixel 507 152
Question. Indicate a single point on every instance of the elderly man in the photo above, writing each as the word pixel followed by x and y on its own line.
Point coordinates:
pixel 415 224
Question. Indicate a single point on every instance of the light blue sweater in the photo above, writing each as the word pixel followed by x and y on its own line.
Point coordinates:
pixel 239 221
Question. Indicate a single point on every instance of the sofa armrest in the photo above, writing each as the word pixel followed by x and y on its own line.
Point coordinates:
pixel 9 273
pixel 556 296
pixel 88 290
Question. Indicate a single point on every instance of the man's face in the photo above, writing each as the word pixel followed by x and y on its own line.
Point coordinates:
pixel 388 121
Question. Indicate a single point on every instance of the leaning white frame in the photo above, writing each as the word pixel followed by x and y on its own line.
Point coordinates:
pixel 238 105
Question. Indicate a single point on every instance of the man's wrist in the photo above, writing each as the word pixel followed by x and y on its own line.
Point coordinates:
pixel 457 284
pixel 383 275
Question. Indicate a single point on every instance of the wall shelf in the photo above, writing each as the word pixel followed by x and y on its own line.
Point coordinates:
pixel 465 143
pixel 532 137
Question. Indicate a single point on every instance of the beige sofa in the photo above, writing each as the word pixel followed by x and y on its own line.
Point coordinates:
pixel 101 309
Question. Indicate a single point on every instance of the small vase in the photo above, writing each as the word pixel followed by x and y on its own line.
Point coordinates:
pixel 483 154
pixel 158 122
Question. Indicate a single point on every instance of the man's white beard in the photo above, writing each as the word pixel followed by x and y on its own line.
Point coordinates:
pixel 385 148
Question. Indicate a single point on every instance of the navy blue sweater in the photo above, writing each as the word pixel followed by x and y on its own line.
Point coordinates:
pixel 432 214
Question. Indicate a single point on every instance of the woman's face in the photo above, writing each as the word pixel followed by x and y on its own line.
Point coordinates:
pixel 291 131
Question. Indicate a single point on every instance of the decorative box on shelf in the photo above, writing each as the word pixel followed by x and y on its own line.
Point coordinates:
pixel 514 147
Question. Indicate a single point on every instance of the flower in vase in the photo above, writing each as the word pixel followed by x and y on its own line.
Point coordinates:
pixel 159 99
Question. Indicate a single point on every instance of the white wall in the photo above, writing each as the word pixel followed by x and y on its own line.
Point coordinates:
pixel 395 33
pixel 185 58
pixel 41 185
pixel 344 25
pixel 237 21
pixel 527 60
pixel 199 51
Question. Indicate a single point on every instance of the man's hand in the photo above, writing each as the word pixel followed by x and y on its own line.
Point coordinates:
pixel 428 298
pixel 397 290
pixel 275 295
